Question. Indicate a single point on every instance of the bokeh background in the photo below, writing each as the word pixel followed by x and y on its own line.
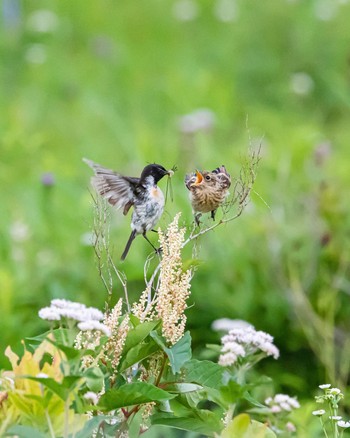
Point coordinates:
pixel 193 83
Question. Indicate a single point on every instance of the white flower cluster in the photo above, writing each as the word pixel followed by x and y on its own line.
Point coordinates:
pixel 243 342
pixel 61 308
pixel 332 396
pixel 92 397
pixel 94 325
pixel 282 402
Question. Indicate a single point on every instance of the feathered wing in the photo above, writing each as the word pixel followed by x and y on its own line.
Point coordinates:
pixel 116 188
pixel 223 176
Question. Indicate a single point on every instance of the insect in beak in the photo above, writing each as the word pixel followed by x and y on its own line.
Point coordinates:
pixel 199 178
pixel 169 187
pixel 172 171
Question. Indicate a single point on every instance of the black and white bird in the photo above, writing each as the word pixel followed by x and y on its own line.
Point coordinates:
pixel 124 192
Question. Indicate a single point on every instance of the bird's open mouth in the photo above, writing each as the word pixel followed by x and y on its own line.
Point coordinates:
pixel 199 178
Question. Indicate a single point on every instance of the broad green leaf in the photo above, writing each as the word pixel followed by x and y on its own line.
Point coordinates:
pixel 204 372
pixel 201 421
pixel 179 353
pixel 237 428
pixel 243 427
pixel 137 354
pixel 70 352
pixel 260 430
pixel 60 336
pixel 232 392
pixel 134 320
pixel 89 427
pixel 24 432
pixel 133 394
pixel 138 334
pixel 252 400
pixel 94 379
pixel 183 388
pixel 61 389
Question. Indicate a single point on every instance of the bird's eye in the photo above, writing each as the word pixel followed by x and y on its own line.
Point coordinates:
pixel 207 177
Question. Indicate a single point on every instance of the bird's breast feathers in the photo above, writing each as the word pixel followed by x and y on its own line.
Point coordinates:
pixel 156 194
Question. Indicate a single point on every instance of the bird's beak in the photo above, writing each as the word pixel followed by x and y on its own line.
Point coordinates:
pixel 199 178
pixel 170 173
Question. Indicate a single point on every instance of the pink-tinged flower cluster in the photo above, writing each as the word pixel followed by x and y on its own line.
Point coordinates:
pixel 282 402
pixel 245 342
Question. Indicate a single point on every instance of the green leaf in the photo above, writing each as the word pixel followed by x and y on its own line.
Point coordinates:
pixel 138 334
pixel 204 372
pixel 232 392
pixel 179 353
pixel 61 389
pixel 243 427
pixel 89 427
pixel 137 354
pixel 183 388
pixel 60 337
pixel 237 428
pixel 252 400
pixel 94 379
pixel 200 421
pixel 24 432
pixel 134 320
pixel 132 394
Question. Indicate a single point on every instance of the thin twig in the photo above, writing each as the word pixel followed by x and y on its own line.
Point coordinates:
pixel 105 263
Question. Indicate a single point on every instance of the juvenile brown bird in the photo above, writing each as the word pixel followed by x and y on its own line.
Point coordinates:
pixel 125 192
pixel 208 190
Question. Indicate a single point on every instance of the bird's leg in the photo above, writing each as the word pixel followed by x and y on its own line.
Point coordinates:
pixel 197 216
pixel 213 214
pixel 157 250
pixel 154 231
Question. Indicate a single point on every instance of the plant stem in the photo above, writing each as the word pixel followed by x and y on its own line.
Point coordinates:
pixel 323 427
pixel 66 418
pixel 49 423
pixel 161 370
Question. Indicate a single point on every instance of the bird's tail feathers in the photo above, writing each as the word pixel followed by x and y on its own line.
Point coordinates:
pixel 128 244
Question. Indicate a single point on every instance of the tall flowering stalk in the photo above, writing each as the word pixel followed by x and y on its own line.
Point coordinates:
pixel 174 283
pixel 331 398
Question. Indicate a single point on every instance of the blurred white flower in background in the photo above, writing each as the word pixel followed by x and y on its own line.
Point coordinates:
pixel 301 83
pixel 326 10
pixel 227 324
pixel 185 10
pixel 19 231
pixel 246 342
pixel 344 424
pixel 43 21
pixel 202 119
pixel 226 10
pixel 36 54
pixel 282 402
pixel 61 308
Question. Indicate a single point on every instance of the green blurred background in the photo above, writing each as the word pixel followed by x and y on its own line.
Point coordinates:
pixel 192 83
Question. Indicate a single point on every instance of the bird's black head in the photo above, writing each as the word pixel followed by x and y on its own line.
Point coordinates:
pixel 155 170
